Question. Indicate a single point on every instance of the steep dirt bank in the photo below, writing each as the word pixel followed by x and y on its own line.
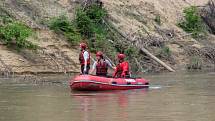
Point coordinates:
pixel 135 18
pixel 151 22
pixel 54 54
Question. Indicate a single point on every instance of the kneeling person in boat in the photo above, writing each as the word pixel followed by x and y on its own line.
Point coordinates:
pixel 122 69
pixel 101 65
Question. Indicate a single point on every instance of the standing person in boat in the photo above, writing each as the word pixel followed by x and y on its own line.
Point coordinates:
pixel 101 65
pixel 84 58
pixel 122 69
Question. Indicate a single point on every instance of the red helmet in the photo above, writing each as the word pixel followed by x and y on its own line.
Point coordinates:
pixel 99 53
pixel 121 56
pixel 83 45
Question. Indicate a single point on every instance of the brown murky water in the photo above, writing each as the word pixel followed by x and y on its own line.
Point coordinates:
pixel 171 97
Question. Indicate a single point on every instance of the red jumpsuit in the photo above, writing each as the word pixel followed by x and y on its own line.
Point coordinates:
pixel 122 70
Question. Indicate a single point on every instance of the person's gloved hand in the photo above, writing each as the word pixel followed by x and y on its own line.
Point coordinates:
pixel 123 75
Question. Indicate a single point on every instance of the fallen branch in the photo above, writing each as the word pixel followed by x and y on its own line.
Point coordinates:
pixel 157 60
pixel 141 48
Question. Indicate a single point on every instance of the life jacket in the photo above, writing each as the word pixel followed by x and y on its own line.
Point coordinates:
pixel 101 68
pixel 122 67
pixel 81 58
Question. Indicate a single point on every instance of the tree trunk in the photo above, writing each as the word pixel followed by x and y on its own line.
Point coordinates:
pixel 141 48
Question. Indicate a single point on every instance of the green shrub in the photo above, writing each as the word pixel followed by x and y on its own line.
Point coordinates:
pixel 16 33
pixel 96 13
pixel 84 24
pixel 192 22
pixel 63 25
pixel 99 43
pixel 89 20
pixel 60 24
pixel 89 23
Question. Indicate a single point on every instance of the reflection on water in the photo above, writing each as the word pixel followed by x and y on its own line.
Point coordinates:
pixel 107 105
pixel 181 97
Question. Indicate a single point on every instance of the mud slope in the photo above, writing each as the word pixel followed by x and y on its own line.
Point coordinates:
pixel 137 18
pixel 54 53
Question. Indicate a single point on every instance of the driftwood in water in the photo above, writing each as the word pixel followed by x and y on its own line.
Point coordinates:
pixel 141 48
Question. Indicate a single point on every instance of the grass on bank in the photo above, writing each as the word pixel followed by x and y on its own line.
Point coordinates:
pixel 195 63
pixel 192 22
pixel 14 33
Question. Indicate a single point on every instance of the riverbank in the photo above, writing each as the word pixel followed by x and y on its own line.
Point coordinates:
pixel 147 24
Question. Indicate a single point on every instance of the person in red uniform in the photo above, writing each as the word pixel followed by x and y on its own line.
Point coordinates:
pixel 101 65
pixel 84 58
pixel 122 69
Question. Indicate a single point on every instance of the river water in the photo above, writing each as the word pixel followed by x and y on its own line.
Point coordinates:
pixel 171 97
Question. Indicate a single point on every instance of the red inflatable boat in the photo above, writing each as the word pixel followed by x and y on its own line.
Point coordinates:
pixel 96 83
